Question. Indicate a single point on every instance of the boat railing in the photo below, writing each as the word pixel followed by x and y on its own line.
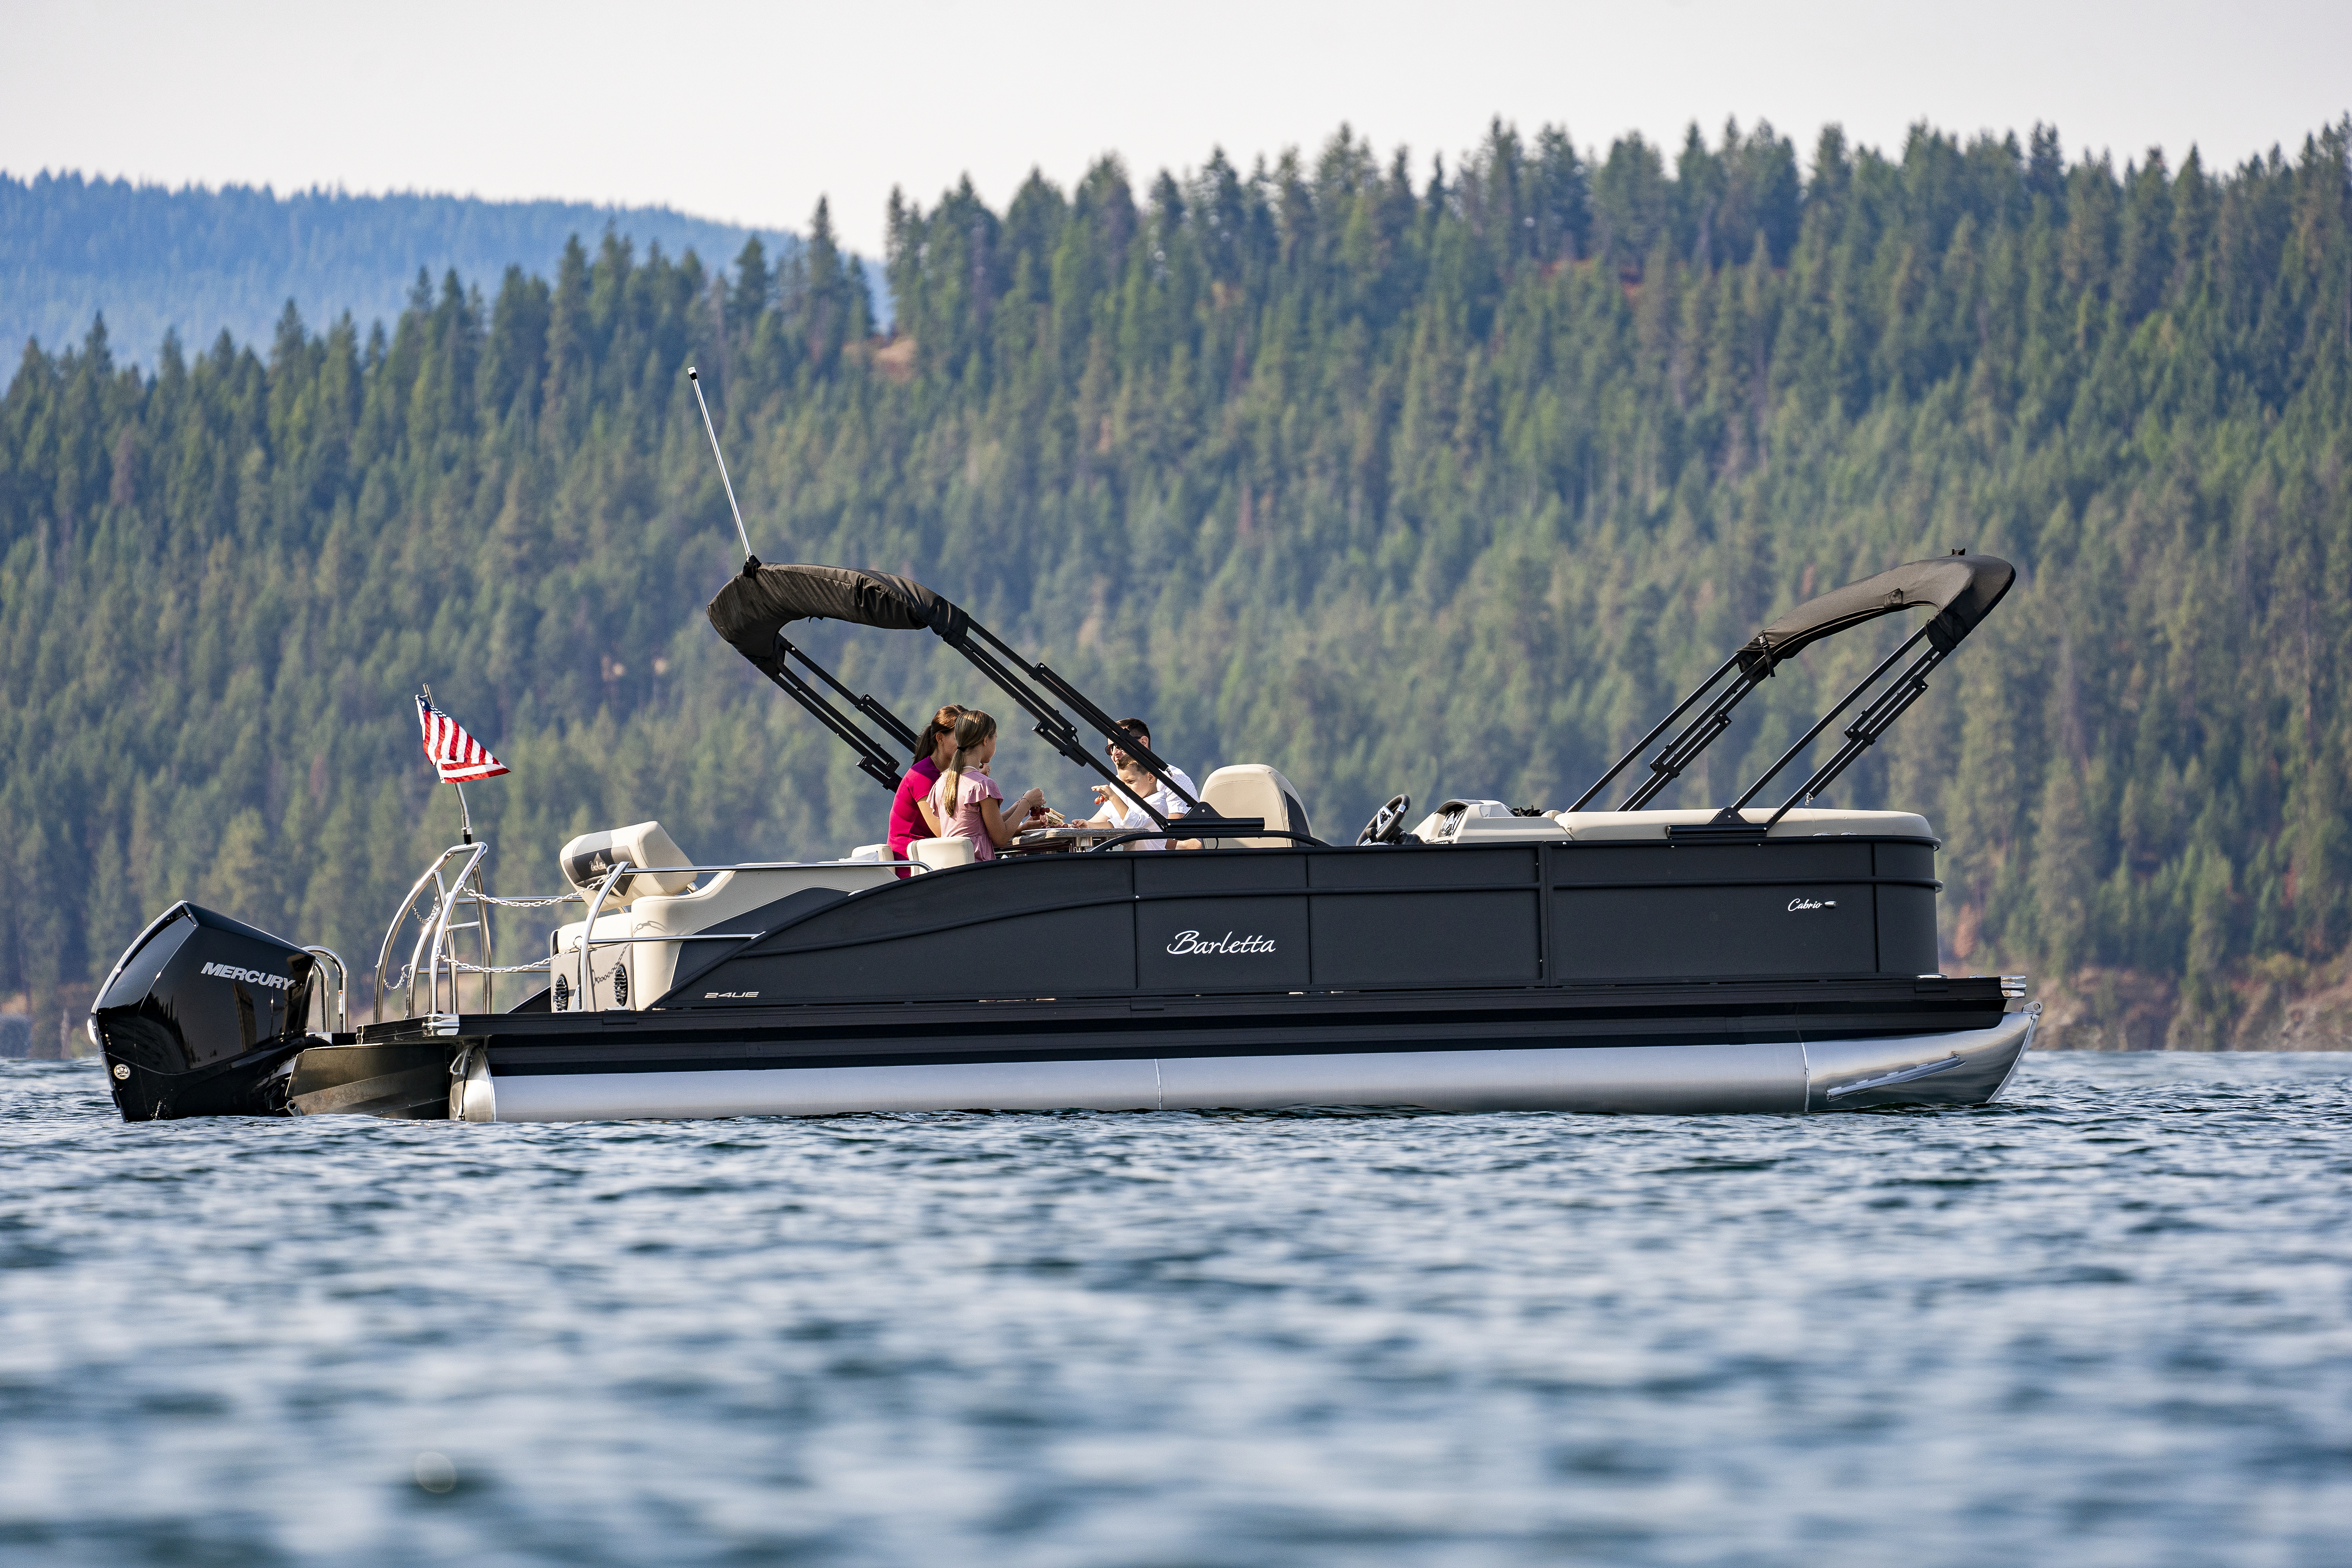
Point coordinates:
pixel 339 1021
pixel 1249 829
pixel 428 955
pixel 431 956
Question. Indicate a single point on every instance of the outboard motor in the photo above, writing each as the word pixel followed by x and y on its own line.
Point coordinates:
pixel 202 1016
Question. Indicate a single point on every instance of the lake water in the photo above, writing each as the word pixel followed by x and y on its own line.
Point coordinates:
pixel 2108 1322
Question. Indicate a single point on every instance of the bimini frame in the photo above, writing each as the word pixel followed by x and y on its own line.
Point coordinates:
pixel 752 611
pixel 1960 588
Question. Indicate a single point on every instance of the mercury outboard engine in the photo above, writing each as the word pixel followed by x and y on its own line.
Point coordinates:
pixel 202 1016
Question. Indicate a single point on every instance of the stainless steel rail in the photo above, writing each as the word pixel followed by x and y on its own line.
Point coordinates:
pixel 480 924
pixel 428 953
pixel 383 952
pixel 342 1023
pixel 586 989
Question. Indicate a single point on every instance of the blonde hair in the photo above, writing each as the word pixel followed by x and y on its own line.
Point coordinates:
pixel 973 731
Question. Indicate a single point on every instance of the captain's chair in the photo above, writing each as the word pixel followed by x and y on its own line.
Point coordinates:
pixel 1253 789
pixel 587 859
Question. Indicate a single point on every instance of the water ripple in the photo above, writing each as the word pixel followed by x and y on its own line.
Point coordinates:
pixel 2108 1321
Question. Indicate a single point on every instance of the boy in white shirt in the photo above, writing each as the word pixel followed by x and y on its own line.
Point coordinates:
pixel 1113 808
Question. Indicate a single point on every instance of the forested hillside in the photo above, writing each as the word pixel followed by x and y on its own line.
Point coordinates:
pixel 1400 478
pixel 201 262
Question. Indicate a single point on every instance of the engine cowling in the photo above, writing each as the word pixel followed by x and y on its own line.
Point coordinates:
pixel 201 1016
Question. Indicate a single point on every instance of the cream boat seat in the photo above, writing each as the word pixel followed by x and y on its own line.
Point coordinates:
pixel 668 906
pixel 1254 789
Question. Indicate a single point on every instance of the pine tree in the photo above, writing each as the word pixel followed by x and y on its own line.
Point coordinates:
pixel 752 286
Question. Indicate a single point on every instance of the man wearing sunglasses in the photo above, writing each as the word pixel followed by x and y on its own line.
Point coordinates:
pixel 1112 808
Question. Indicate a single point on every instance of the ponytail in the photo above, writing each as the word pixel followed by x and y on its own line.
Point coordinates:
pixel 973 731
pixel 943 723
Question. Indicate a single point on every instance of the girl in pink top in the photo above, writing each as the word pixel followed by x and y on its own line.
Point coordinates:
pixel 968 803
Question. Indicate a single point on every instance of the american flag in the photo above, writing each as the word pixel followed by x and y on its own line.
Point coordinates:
pixel 457 756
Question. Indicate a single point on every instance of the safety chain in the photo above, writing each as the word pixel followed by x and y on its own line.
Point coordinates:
pixel 400 982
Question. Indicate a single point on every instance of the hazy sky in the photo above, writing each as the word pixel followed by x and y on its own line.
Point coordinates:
pixel 749 113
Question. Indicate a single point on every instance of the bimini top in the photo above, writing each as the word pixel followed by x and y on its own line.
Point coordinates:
pixel 761 601
pixel 1961 589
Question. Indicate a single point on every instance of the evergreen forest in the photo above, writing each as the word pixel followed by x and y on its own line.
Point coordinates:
pixel 1401 475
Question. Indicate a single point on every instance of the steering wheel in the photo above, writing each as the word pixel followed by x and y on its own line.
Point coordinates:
pixel 1387 825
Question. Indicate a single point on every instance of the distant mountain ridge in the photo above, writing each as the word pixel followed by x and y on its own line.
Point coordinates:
pixel 201 262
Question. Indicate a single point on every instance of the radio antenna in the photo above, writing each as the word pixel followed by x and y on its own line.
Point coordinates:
pixel 696 377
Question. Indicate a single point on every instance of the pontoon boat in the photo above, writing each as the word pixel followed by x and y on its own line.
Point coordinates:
pixel 1484 957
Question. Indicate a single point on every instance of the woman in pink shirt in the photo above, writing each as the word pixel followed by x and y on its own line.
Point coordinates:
pixel 910 811
pixel 968 803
